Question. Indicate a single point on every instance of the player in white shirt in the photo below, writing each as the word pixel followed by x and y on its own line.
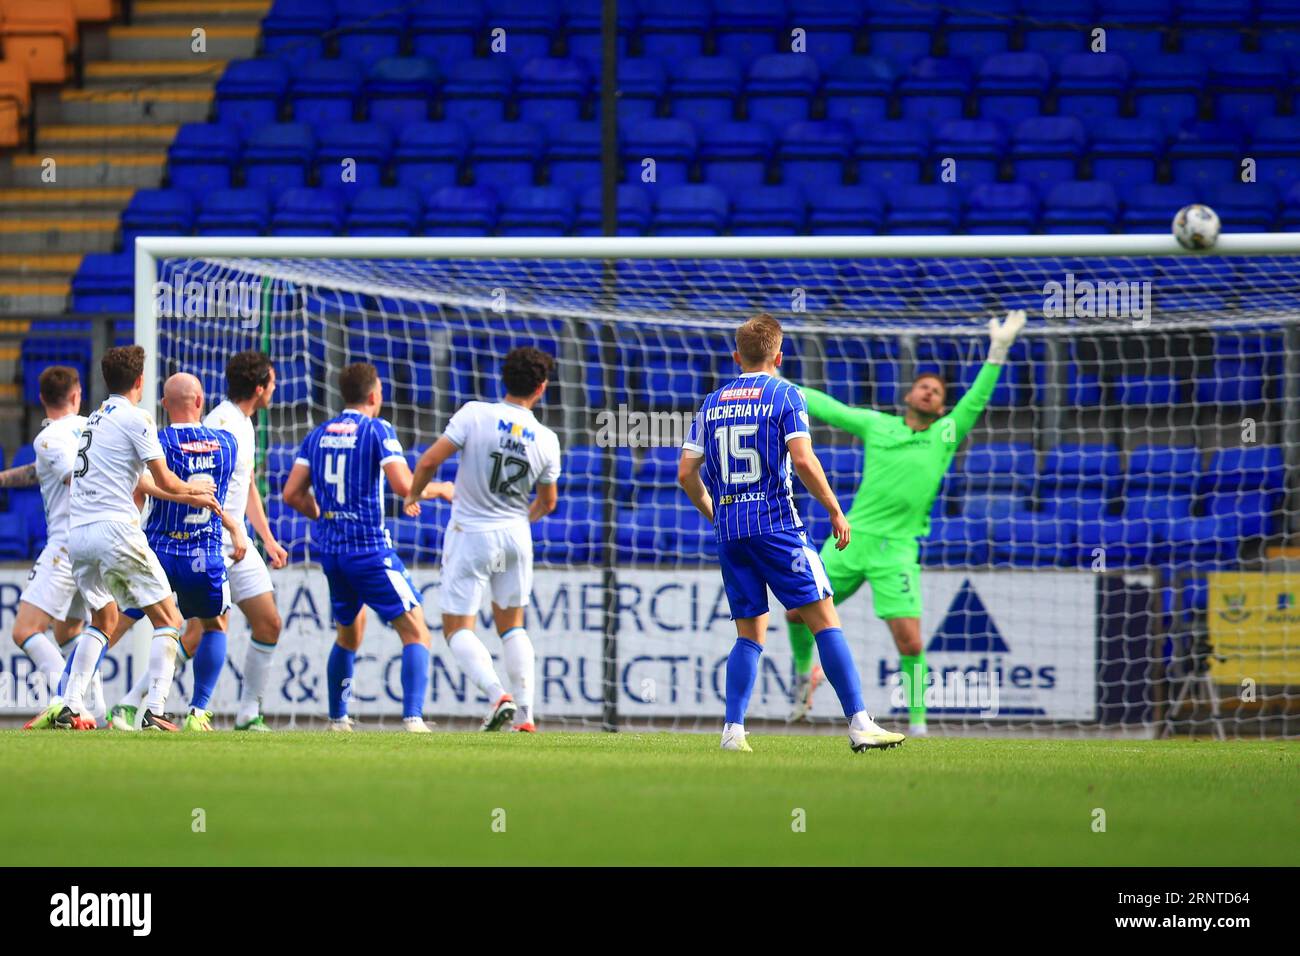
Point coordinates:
pixel 250 385
pixel 504 453
pixel 111 560
pixel 51 601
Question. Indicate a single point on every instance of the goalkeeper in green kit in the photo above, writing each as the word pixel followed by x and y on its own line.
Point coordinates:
pixel 903 464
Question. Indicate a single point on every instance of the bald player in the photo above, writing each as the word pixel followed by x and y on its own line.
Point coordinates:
pixel 188 543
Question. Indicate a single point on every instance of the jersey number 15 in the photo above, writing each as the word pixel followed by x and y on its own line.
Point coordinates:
pixel 751 467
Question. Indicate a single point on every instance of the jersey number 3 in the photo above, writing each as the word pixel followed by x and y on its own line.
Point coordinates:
pixel 83 461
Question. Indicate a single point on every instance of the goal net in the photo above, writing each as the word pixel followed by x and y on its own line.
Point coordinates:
pixel 1109 552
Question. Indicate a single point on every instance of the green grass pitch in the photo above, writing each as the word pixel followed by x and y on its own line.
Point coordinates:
pixel 637 799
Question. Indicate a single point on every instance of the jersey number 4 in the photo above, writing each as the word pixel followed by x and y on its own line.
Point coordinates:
pixel 336 469
pixel 751 467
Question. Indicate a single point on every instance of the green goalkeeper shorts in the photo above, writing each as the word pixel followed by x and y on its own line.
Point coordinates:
pixel 889 565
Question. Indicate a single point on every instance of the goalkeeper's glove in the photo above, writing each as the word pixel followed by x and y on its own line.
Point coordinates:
pixel 1002 334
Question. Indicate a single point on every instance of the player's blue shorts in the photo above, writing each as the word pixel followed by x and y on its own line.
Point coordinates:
pixel 377 579
pixel 782 561
pixel 200 582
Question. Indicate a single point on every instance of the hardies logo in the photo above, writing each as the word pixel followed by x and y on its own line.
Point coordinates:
pixel 1234 610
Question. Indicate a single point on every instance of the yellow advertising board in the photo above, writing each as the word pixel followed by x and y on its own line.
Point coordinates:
pixel 1254 622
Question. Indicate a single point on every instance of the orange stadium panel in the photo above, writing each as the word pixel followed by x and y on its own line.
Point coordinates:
pixel 40 33
pixel 92 10
pixel 15 101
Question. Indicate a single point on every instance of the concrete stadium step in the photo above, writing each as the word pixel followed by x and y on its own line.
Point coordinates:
pixel 80 169
pixel 52 199
pixel 175 41
pixel 180 12
pixel 18 266
pixel 205 70
pixel 185 104
pixel 128 137
pixel 68 234
pixel 47 296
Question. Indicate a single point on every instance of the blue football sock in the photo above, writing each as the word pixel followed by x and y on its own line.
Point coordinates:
pixel 742 671
pixel 837 664
pixel 338 670
pixel 209 658
pixel 415 679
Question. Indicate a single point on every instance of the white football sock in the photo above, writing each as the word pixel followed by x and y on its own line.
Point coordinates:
pixel 476 663
pixel 257 669
pixel 521 663
pixel 162 667
pixel 85 658
pixel 47 660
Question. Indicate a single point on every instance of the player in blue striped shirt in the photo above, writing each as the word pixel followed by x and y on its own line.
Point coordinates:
pixel 338 482
pixel 748 440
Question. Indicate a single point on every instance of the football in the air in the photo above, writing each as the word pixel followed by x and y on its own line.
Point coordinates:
pixel 1196 227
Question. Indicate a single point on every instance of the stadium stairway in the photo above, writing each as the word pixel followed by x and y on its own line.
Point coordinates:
pixel 107 138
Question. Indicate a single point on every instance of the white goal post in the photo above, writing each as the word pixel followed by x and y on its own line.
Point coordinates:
pixel 1102 609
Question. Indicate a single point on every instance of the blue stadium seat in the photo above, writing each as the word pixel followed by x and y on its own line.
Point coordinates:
pixel 571 534
pixel 674 32
pixel 980 32
pixel 1091 85
pixel 1275 145
pixel 935 89
pixel 902 30
pixel 104 282
pixel 461 211
pixel 924 210
pixel 366 35
pixel 234 212
pixel 430 155
pixel 1244 207
pixel 157 212
pixel 1047 149
pixel 477 91
pixel 325 92
pixel 1150 207
pixel 1081 207
pixel 846 210
pixel 278 156
pixel 538 211
pixel 202 157
pixel 977 146
pixel 250 92
pixel 553 90
pixel 1247 87
pixel 1057 28
pixel 1136 28
pixel 706 89
pixel 642 83
pixel 956 542
pixel 744 30
pixel 1167 89
pixel 530 26
pixel 1213 28
pixel 45 346
pixel 1035 541
pixel 860 372
pixel 999 207
pixel 1080 472
pixel 1127 152
pixel 573 155
pixel 634 211
pixel 858 88
pixel 385 211
pixel 307 212
pixel 780 88
pixel 736 155
pixel 1243 469
pixel 399 90
pixel 768 211
pixel 504 156
pixel 815 153
pixel 1279 22
pixel 1204 154
pixel 582 24
pixel 446 33
pixel 14 537
pixel 1011 86
pixel 367 148
pixel 832 27
pixel 293 29
pixel 891 153
pixel 1141 389
pixel 670 143
pixel 690 210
